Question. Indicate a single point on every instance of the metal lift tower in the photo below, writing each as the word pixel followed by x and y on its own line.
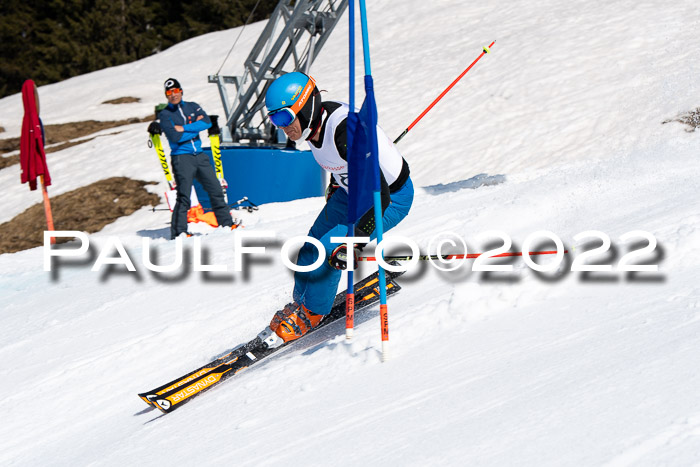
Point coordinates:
pixel 297 30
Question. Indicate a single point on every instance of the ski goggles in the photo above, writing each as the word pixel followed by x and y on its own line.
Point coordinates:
pixel 282 117
pixel 285 116
pixel 172 91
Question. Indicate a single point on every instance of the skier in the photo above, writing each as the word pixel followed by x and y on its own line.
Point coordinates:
pixel 181 122
pixel 294 104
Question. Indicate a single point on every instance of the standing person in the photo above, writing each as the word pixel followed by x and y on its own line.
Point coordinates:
pixel 294 104
pixel 181 122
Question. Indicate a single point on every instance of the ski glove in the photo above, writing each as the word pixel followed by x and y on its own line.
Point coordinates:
pixel 331 188
pixel 214 128
pixel 339 258
pixel 154 128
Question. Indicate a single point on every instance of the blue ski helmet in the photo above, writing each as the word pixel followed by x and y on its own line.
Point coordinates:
pixel 292 96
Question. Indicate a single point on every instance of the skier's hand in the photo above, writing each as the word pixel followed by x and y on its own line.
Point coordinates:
pixel 154 128
pixel 339 258
pixel 331 188
pixel 179 128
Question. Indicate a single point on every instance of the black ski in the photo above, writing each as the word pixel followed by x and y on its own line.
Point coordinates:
pixel 176 393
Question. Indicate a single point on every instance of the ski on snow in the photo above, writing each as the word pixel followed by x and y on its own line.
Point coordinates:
pixel 176 393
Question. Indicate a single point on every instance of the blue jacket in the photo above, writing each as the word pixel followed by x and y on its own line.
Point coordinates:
pixel 185 114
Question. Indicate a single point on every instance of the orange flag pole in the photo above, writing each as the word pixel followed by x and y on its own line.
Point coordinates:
pixel 47 208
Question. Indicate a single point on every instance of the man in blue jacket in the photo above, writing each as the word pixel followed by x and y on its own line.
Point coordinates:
pixel 181 122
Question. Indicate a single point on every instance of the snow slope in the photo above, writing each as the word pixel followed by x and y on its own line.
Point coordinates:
pixel 526 368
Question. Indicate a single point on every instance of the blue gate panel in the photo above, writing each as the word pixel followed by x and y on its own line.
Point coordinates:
pixel 267 175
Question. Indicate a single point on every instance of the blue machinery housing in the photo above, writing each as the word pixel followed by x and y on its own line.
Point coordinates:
pixel 267 175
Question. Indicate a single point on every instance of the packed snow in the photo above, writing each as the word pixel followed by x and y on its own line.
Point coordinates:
pixel 558 129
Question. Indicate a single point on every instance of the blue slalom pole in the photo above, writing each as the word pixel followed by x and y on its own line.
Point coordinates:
pixel 352 55
pixel 369 90
pixel 365 37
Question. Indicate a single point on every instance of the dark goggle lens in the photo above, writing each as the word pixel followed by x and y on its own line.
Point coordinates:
pixel 282 117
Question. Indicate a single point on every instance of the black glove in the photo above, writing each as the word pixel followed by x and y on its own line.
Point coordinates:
pixel 339 258
pixel 154 128
pixel 214 128
pixel 332 186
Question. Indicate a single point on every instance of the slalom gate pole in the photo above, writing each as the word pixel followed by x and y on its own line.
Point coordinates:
pixel 486 49
pixel 458 256
pixel 369 89
pixel 350 290
pixel 47 208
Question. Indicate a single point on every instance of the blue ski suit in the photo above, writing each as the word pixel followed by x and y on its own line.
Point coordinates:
pixel 317 289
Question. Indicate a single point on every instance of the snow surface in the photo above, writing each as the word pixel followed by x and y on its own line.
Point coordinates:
pixel 519 368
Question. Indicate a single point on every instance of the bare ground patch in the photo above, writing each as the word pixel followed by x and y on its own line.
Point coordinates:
pixel 123 100
pixel 691 119
pixel 12 160
pixel 64 132
pixel 9 145
pixel 60 147
pixel 87 209
pixel 8 161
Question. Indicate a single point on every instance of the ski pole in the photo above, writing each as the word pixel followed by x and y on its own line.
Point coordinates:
pixel 459 256
pixel 238 203
pixel 214 139
pixel 487 49
pixel 155 143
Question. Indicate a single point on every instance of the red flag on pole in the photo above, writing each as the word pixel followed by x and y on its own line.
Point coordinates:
pixel 32 156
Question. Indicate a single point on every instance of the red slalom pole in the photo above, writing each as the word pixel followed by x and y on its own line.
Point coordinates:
pixel 462 256
pixel 487 49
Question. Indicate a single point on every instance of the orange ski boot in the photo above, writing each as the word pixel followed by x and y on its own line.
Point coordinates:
pixel 293 321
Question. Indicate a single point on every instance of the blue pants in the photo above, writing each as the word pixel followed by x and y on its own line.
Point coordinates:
pixel 187 167
pixel 316 290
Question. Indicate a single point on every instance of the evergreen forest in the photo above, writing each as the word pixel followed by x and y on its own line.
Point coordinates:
pixel 52 40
